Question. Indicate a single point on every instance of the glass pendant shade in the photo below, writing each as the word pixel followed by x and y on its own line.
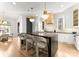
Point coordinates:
pixel 45 15
pixel 5 22
pixel 32 17
pixel 32 20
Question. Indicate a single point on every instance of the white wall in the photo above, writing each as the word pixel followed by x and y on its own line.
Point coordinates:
pixel 13 21
pixel 68 17
pixel 22 21
pixel 24 24
pixel 13 27
pixel 37 25
pixel 68 23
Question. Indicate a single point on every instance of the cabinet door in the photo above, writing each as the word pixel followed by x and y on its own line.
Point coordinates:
pixel 75 17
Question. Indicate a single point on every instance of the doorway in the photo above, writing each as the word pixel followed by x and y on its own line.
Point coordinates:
pixel 29 26
pixel 18 27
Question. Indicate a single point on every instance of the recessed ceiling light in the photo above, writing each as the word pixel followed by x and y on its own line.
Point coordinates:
pixel 14 3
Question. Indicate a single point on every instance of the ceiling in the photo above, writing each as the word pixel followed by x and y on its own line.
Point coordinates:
pixel 23 7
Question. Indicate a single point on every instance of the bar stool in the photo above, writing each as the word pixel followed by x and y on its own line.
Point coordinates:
pixel 22 37
pixel 29 41
pixel 41 43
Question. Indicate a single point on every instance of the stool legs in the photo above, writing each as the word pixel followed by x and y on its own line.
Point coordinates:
pixel 37 51
pixel 26 46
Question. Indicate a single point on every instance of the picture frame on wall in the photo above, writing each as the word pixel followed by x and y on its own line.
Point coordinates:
pixel 75 17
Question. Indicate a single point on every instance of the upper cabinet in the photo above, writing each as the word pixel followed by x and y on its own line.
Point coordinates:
pixel 75 17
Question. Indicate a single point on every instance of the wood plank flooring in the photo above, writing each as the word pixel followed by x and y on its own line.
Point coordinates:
pixel 67 50
pixel 9 49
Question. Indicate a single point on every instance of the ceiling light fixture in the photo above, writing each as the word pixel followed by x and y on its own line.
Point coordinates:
pixel 32 18
pixel 45 13
pixel 3 19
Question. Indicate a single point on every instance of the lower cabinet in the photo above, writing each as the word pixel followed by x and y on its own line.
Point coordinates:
pixel 77 43
pixel 66 37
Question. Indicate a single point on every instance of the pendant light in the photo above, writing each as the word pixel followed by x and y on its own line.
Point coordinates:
pixel 32 18
pixel 3 20
pixel 45 13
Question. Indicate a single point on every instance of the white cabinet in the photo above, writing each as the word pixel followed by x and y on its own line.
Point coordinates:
pixel 77 43
pixel 66 37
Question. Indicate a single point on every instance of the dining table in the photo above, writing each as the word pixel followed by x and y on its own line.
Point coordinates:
pixel 52 39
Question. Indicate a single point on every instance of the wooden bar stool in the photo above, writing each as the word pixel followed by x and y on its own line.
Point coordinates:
pixel 41 43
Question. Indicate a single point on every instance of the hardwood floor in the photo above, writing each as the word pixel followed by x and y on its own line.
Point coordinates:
pixel 10 49
pixel 67 50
